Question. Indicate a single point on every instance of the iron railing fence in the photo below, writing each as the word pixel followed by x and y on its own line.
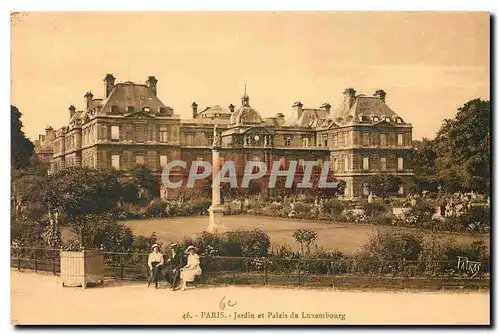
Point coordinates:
pixel 338 273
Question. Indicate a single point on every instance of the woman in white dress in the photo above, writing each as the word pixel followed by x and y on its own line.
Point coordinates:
pixel 192 268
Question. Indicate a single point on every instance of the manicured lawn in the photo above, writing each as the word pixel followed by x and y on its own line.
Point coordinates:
pixel 344 237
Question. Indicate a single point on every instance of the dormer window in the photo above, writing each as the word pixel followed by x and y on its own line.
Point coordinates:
pixel 399 120
pixel 376 119
pixel 130 109
pixel 163 110
pixel 114 109
pixel 387 119
pixel 147 109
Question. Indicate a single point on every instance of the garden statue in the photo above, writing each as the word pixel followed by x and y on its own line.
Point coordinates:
pixel 370 198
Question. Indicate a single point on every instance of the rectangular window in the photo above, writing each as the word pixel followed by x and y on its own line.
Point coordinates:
pixel 383 163
pixel 115 162
pixel 305 141
pixel 400 163
pixel 163 134
pixel 114 109
pixel 319 163
pixel 366 139
pixel 210 139
pixel 346 139
pixel 400 140
pixel 163 110
pixel 139 160
pixel 301 165
pixel 200 168
pixel 335 165
pixel 325 140
pixel 366 163
pixel 335 139
pixel 346 163
pixel 282 163
pixel 288 140
pixel 383 140
pixel 130 109
pixel 163 160
pixel 139 132
pixel 115 133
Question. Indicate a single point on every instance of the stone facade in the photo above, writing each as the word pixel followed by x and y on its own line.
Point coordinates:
pixel 131 126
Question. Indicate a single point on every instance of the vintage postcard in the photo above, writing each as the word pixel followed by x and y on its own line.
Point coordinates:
pixel 257 168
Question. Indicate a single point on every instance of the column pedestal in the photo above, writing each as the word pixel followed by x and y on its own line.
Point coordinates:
pixel 215 220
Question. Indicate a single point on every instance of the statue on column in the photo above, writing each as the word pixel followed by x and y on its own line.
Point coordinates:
pixel 217 140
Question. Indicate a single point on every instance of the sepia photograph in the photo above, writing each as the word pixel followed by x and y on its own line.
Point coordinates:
pixel 250 168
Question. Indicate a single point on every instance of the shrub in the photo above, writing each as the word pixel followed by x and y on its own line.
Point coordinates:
pixel 393 246
pixel 199 206
pixel 102 231
pixel 156 208
pixel 420 215
pixel 248 243
pixel 477 219
pixel 333 207
pixel 301 209
pixel 142 244
pixel 211 244
pixel 374 210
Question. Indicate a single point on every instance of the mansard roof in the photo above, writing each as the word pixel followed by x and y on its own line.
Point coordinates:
pixel 363 108
pixel 309 118
pixel 215 111
pixel 138 96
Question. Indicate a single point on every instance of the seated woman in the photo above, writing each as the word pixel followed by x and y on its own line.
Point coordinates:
pixel 192 269
pixel 155 261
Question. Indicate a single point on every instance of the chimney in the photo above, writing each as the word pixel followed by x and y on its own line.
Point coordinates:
pixel 49 133
pixel 88 99
pixel 350 96
pixel 297 110
pixel 194 105
pixel 326 106
pixel 151 82
pixel 71 111
pixel 380 94
pixel 109 83
pixel 231 108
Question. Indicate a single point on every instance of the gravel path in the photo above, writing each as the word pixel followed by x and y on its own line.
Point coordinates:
pixel 40 299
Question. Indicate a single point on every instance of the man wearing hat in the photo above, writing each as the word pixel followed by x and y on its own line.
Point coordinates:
pixel 175 259
pixel 192 269
pixel 155 261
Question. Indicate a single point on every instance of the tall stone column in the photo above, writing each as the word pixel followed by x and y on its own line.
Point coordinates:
pixel 216 211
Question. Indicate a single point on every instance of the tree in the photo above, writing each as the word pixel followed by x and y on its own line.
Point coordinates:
pixel 147 181
pixel 423 160
pixel 79 192
pixel 463 149
pixel 304 237
pixel 21 147
pixel 384 185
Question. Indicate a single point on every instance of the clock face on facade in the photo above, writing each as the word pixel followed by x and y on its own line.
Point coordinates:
pixel 256 137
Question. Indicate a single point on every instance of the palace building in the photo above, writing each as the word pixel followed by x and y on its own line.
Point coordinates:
pixel 130 125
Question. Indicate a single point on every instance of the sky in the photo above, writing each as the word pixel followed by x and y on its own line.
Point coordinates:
pixel 429 63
